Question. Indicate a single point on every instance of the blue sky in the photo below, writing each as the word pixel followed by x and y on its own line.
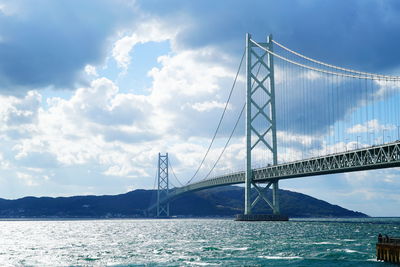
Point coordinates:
pixel 92 90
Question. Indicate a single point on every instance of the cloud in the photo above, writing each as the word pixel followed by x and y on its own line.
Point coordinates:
pixel 188 83
pixel 71 130
pixel 370 126
pixel 4 164
pixel 49 43
pixel 91 70
pixel 6 9
pixel 152 30
pixel 208 106
pixel 18 116
pixel 128 136
pixel 27 179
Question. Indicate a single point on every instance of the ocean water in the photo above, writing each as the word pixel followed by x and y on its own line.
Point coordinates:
pixel 193 242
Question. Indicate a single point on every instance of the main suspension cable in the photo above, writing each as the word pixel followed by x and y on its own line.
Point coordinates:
pixel 173 173
pixel 390 78
pixel 226 144
pixel 333 66
pixel 220 120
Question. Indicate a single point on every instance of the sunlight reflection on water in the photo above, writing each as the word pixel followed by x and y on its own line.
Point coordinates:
pixel 191 242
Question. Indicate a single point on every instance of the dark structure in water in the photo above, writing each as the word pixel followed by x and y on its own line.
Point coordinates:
pixel 261 217
pixel 388 249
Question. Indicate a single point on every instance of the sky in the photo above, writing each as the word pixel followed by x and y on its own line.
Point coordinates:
pixel 91 91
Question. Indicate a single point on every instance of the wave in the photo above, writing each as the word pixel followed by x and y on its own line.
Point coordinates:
pixel 281 257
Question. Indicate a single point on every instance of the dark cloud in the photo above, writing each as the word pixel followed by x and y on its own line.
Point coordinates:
pixel 48 43
pixel 311 107
pixel 361 34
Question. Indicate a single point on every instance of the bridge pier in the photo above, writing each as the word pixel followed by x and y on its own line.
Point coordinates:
pixel 276 216
pixel 275 198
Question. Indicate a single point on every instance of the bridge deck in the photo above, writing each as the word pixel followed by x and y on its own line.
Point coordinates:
pixel 375 157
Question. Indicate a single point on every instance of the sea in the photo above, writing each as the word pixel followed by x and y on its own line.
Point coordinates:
pixel 193 242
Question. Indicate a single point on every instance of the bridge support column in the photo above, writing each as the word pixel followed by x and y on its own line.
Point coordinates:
pixel 274 205
pixel 275 198
pixel 260 116
pixel 249 171
pixel 163 186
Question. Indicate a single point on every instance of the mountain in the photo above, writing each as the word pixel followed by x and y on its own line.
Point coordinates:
pixel 229 200
pixel 222 201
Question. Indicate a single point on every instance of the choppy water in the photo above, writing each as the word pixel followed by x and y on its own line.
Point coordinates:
pixel 181 242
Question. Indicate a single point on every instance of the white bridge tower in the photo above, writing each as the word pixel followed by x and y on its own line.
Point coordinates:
pixel 260 117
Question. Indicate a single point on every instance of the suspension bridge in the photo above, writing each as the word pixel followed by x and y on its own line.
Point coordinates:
pixel 303 117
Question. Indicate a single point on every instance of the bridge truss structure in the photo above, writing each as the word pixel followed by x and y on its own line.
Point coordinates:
pixel 377 157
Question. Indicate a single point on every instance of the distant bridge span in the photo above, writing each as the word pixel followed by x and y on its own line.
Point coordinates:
pixel 376 157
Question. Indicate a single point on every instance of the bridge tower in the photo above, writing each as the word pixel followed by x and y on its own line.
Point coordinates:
pixel 163 186
pixel 260 117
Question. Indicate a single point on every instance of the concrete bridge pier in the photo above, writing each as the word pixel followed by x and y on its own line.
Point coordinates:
pixel 274 205
pixel 275 198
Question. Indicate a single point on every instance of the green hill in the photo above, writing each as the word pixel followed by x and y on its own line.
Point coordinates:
pixel 223 201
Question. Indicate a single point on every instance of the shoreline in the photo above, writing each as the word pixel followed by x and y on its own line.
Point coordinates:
pixel 372 220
